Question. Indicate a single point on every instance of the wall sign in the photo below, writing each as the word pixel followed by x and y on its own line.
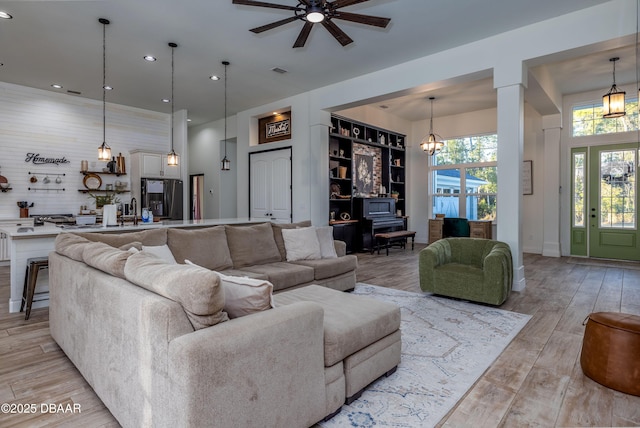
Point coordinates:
pixel 36 159
pixel 275 128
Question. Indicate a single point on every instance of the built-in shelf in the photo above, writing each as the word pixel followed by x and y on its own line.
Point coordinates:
pixel 102 191
pixel 102 172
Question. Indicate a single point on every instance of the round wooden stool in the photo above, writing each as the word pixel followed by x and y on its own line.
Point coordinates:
pixel 611 351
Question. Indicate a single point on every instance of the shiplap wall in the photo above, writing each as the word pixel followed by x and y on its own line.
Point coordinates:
pixel 59 125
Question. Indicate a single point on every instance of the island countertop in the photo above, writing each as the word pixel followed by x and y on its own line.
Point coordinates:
pixel 38 241
pixel 48 229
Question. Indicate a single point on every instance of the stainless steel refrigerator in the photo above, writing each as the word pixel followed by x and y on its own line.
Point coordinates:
pixel 162 197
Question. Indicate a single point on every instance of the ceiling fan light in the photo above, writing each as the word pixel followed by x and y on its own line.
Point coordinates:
pixel 315 14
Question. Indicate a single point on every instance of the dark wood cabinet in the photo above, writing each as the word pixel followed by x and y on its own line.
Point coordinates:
pixel 345 231
pixel 380 151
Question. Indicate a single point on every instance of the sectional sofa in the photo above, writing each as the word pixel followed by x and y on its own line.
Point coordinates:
pixel 155 341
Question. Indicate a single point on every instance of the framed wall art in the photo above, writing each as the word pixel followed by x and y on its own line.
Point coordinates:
pixel 276 127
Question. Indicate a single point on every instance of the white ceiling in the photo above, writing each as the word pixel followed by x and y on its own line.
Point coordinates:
pixel 61 42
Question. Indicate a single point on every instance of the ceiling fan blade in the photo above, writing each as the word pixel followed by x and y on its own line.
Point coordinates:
pixel 344 3
pixel 363 19
pixel 336 32
pixel 304 34
pixel 266 27
pixel 265 4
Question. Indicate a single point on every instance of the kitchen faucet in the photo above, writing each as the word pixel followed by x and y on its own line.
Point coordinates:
pixel 134 208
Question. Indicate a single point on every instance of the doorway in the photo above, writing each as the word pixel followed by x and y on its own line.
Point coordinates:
pixel 270 192
pixel 604 189
pixel 196 191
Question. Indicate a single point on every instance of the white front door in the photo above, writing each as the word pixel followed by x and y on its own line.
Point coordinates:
pixel 270 181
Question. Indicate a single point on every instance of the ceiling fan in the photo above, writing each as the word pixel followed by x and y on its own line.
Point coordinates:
pixel 314 12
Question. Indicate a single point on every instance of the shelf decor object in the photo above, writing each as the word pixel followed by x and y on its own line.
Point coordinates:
pixel 104 151
pixel 172 157
pixel 431 144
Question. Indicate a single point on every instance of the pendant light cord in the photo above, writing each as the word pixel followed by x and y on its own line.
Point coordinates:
pixel 173 46
pixel 226 63
pixel 104 81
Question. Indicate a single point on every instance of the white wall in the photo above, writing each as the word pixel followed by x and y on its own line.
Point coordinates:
pixel 206 150
pixel 533 205
pixel 59 125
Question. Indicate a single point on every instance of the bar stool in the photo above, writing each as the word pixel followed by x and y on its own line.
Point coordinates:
pixel 30 278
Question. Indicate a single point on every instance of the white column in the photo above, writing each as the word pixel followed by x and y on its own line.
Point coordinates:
pixel 552 126
pixel 510 151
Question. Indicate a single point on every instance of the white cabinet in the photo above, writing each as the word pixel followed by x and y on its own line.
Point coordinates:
pixel 154 165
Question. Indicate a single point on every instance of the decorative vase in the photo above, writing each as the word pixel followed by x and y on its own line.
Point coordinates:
pixel 342 172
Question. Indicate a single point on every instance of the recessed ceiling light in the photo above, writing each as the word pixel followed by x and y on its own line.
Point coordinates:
pixel 166 100
pixel 214 77
pixel 56 86
pixel 188 120
pixel 149 58
pixel 5 15
pixel 108 88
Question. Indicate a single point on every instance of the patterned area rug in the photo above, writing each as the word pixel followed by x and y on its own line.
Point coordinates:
pixel 446 346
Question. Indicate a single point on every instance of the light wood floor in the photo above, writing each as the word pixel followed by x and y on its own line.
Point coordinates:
pixel 537 381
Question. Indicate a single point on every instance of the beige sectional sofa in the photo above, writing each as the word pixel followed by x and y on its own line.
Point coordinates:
pixel 153 339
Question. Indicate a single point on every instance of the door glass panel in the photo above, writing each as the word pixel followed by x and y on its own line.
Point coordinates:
pixel 617 189
pixel 578 189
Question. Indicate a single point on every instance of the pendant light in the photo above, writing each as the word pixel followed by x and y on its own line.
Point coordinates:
pixel 104 151
pixel 430 143
pixel 613 101
pixel 172 157
pixel 226 163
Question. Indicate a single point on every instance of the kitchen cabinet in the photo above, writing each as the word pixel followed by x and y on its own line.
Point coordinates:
pixel 154 165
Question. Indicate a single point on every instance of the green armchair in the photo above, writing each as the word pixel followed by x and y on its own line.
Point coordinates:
pixel 480 270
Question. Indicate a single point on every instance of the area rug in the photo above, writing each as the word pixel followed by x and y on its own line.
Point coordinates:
pixel 446 346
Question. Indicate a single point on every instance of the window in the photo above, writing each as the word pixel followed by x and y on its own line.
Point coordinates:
pixel 579 191
pixel 464 178
pixel 588 120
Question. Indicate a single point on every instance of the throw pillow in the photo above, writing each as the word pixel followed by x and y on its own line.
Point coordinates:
pixel 277 234
pixel 207 247
pixel 252 245
pixel 198 290
pixel 244 295
pixel 325 239
pixel 301 244
pixel 161 251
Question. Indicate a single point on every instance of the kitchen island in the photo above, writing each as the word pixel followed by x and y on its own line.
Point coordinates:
pixel 38 241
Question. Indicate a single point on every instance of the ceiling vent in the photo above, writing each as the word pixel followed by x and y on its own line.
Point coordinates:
pixel 279 70
pixel 69 91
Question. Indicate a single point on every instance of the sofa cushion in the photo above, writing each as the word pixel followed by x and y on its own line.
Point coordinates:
pixel 246 273
pixel 198 290
pixel 71 245
pixel 106 258
pixel 252 245
pixel 277 234
pixel 207 247
pixel 301 244
pixel 328 268
pixel 351 322
pixel 146 237
pixel 283 274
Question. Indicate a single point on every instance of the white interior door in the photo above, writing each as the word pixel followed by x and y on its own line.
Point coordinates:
pixel 270 178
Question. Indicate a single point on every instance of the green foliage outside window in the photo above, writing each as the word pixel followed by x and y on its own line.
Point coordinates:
pixel 588 120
